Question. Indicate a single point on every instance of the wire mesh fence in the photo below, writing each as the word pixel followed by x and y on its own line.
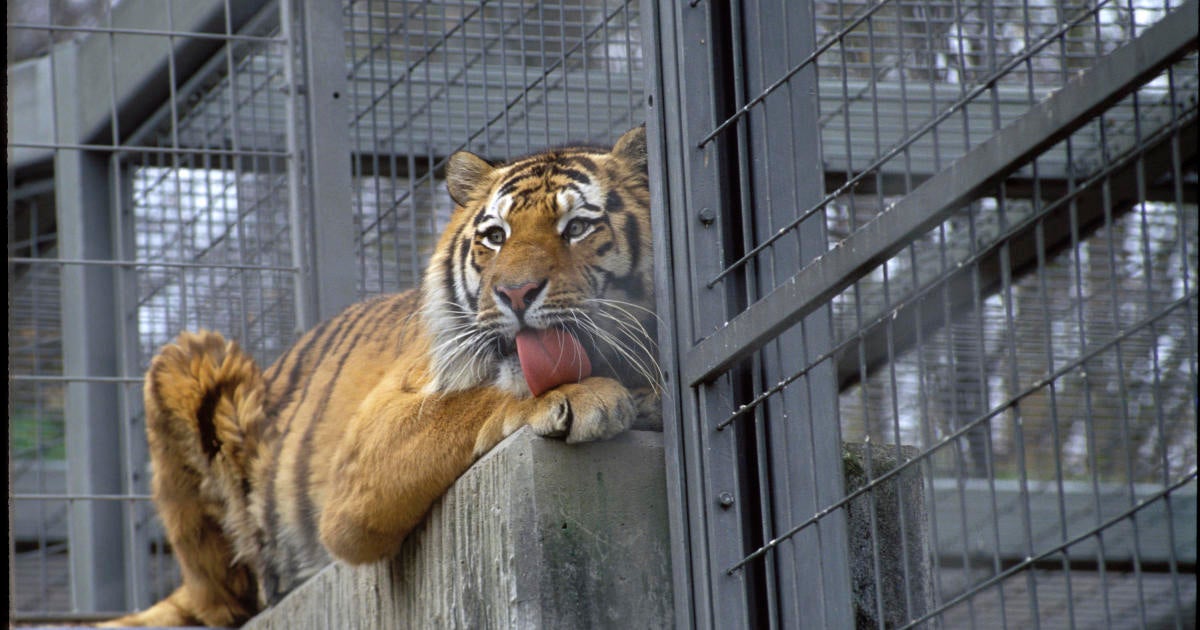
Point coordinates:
pixel 168 172
pixel 502 79
pixel 867 238
pixel 148 213
pixel 991 285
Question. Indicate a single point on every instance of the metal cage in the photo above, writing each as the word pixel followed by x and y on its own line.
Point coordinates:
pixel 180 164
pixel 935 308
pixel 926 272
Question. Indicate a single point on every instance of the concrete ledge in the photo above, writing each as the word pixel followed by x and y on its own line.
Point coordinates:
pixel 538 534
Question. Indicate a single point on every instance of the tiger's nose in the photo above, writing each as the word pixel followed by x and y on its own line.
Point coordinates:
pixel 519 296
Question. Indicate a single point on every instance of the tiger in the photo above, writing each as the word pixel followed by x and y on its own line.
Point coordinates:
pixel 339 449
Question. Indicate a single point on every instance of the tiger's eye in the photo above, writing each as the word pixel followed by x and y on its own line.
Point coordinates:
pixel 575 228
pixel 495 236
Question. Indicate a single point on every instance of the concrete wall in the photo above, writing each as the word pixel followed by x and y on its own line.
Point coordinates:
pixel 537 534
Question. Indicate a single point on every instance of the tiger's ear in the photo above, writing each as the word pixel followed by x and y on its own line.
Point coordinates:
pixel 631 147
pixel 465 171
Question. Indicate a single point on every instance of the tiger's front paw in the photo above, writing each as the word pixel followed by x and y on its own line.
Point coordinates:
pixel 595 408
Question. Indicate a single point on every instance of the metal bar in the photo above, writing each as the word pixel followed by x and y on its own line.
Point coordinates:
pixel 84 213
pixel 141 79
pixel 718 520
pixel 105 30
pixel 294 114
pixel 906 314
pixel 43 618
pixel 327 150
pixel 198 79
pixel 172 150
pixel 145 263
pixel 81 497
pixel 662 87
pixel 782 570
pixel 132 433
pixel 783 80
pixel 804 445
pixel 1043 126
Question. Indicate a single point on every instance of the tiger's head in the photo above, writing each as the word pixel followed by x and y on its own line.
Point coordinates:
pixel 560 239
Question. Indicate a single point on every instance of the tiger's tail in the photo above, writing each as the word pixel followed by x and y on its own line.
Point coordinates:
pixel 204 402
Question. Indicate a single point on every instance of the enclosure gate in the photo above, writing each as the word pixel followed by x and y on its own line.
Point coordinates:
pixel 928 275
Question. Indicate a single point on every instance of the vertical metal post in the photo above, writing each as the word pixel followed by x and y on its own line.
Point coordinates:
pixel 709 595
pixel 83 195
pixel 133 442
pixel 700 54
pixel 661 88
pixel 804 437
pixel 304 284
pixel 326 149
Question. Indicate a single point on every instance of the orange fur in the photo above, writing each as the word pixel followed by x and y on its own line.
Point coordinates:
pixel 340 448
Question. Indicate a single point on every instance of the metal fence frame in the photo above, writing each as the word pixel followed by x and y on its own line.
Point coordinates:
pixel 747 337
pixel 746 306
pixel 219 116
pixel 94 142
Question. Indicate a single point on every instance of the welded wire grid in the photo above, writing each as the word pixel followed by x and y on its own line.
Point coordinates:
pixel 198 202
pixel 218 218
pixel 502 79
pixel 1037 348
pixel 36 447
pixel 207 189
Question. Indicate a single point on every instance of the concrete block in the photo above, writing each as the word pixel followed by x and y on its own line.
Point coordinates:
pixel 890 548
pixel 537 534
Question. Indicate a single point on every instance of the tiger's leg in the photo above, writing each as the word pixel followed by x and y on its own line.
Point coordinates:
pixel 203 404
pixel 401 453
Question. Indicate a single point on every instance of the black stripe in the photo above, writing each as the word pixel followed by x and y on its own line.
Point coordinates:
pixel 481 217
pixel 570 422
pixel 575 175
pixel 532 170
pixel 508 188
pixel 603 279
pixel 448 278
pixel 209 441
pixel 613 203
pixel 582 160
pixel 341 322
pixel 269 582
pixel 464 255
pixel 591 281
pixel 270 540
pixel 302 357
pixel 633 240
pixel 513 181
pixel 604 249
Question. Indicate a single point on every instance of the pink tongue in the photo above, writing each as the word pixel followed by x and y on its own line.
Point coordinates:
pixel 550 358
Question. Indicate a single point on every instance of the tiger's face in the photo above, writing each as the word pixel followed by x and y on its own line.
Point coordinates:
pixel 559 239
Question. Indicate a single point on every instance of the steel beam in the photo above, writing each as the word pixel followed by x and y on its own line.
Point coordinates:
pixel 330 261
pixel 798 442
pixel 82 195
